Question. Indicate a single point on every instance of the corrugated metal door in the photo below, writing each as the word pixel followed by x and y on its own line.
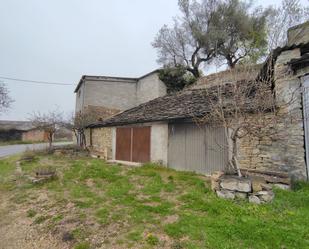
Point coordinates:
pixel 123 144
pixel 141 144
pixel 199 149
pixel 176 146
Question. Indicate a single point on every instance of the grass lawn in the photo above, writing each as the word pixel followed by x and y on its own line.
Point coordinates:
pixel 92 204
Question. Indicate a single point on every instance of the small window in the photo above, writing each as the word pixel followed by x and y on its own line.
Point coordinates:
pixel 78 93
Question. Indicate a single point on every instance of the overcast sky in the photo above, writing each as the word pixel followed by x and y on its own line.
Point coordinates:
pixel 60 40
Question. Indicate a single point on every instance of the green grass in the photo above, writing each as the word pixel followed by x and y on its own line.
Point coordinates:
pixel 136 204
pixel 83 245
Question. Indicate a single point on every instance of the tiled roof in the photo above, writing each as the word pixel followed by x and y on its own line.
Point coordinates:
pixel 192 102
pixel 187 104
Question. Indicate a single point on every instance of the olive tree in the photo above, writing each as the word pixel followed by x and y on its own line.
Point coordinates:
pixel 187 42
pixel 239 32
pixel 229 30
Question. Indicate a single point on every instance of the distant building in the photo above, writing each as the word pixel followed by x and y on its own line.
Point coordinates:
pixel 20 130
pixel 26 132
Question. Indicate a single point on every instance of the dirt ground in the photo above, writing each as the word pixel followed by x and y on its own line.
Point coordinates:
pixel 17 230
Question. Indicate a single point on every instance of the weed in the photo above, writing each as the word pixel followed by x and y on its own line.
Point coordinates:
pixel 102 214
pixel 152 240
pixel 40 219
pixel 135 236
pixel 83 245
pixel 57 218
pixel 31 213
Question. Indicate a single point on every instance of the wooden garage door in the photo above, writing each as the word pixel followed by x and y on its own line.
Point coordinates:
pixel 123 144
pixel 198 149
pixel 141 144
pixel 133 144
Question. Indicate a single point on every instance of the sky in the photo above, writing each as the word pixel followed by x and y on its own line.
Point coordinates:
pixel 59 41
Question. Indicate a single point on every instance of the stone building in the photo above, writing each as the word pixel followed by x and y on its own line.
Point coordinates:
pixel 106 96
pixel 163 129
pixel 117 93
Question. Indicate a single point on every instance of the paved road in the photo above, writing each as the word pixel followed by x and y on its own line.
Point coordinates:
pixel 9 150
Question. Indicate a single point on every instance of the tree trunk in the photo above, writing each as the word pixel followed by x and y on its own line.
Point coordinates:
pixel 50 141
pixel 234 160
pixel 81 139
pixel 194 71
pixel 231 63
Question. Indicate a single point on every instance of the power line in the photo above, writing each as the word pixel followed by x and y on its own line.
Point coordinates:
pixel 37 82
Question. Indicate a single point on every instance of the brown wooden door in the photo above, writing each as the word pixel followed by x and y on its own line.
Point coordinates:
pixel 141 144
pixel 123 144
pixel 133 144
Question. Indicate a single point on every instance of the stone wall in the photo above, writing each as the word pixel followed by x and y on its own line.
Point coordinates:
pixel 101 142
pixel 298 34
pixel 283 151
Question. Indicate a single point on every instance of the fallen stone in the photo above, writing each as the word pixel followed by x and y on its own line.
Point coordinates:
pixel 215 176
pixel 282 186
pixel 225 194
pixel 38 180
pixel 254 199
pixel 215 185
pixel 236 184
pixel 241 195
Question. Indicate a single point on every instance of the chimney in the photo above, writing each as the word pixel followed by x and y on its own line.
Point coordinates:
pixel 298 34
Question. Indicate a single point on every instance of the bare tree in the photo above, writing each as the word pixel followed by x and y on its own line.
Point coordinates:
pixel 80 121
pixel 47 122
pixel 244 108
pixel 288 14
pixel 5 99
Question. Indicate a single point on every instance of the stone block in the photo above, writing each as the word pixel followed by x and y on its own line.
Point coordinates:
pixel 241 195
pixel 236 184
pixel 266 186
pixel 266 196
pixel 254 199
pixel 282 186
pixel 226 194
pixel 257 182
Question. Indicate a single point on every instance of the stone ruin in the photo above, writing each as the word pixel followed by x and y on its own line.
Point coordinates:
pixel 254 186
